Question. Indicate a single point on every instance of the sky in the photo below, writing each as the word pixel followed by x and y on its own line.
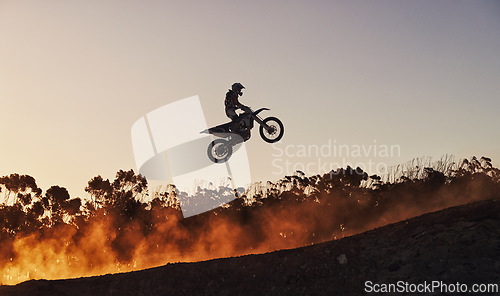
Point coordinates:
pixel 419 76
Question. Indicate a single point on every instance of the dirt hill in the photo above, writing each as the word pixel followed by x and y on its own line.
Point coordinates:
pixel 459 244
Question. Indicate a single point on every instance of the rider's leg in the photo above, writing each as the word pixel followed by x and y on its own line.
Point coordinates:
pixel 231 113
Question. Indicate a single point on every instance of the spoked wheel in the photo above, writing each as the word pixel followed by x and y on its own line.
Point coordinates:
pixel 275 132
pixel 219 151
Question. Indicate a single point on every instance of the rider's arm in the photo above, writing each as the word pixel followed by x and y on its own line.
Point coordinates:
pixel 245 109
pixel 238 104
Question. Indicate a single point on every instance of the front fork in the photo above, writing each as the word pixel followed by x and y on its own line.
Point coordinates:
pixel 262 123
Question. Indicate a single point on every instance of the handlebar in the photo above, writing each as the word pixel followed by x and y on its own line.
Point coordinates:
pixel 246 109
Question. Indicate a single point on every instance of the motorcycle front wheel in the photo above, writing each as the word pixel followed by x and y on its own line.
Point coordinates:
pixel 219 151
pixel 276 130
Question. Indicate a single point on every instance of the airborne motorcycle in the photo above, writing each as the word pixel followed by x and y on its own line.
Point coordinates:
pixel 232 133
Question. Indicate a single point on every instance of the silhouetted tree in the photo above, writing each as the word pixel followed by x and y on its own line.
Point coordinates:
pixel 12 219
pixel 20 211
pixel 128 190
pixel 122 197
pixel 100 190
pixel 59 203
pixel 128 185
pixel 23 188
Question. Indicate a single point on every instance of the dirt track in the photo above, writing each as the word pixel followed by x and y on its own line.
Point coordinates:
pixel 460 244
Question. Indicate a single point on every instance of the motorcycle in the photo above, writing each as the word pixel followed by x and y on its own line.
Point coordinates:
pixel 232 133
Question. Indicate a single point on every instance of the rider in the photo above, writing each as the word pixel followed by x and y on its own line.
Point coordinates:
pixel 232 104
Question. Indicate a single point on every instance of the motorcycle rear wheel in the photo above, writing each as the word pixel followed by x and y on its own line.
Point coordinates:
pixel 219 151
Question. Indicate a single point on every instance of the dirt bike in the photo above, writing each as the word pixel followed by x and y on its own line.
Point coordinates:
pixel 232 133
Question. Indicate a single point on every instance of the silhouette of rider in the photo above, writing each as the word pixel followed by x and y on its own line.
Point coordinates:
pixel 232 104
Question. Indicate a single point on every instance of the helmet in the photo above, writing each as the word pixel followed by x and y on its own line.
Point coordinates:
pixel 237 87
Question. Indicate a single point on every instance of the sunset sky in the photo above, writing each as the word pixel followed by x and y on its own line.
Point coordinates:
pixel 75 76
